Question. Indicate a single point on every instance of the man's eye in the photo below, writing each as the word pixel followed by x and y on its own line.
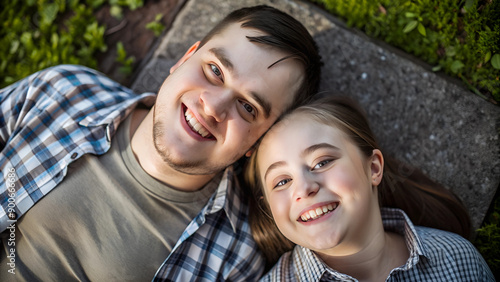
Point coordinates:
pixel 248 108
pixel 216 70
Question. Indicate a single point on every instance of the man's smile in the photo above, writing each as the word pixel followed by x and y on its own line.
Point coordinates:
pixel 195 125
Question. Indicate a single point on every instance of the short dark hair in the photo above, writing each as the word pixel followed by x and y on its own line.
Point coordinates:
pixel 285 33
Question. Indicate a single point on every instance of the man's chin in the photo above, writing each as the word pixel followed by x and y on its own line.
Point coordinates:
pixel 188 166
pixel 196 168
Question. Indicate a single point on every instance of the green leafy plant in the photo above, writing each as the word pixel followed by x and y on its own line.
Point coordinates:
pixel 116 9
pixel 40 34
pixel 156 26
pixel 121 57
pixel 460 38
pixel 415 22
pixel 36 34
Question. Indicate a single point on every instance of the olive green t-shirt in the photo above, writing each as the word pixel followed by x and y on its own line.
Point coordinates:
pixel 107 221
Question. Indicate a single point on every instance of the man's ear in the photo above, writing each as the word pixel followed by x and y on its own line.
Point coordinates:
pixel 249 153
pixel 186 56
pixel 377 167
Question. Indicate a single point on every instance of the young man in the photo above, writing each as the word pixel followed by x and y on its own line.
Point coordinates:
pixel 143 188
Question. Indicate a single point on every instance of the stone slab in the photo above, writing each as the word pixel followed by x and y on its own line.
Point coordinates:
pixel 420 117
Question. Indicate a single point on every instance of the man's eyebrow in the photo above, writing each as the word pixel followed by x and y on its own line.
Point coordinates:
pixel 222 57
pixel 274 166
pixel 263 103
pixel 315 147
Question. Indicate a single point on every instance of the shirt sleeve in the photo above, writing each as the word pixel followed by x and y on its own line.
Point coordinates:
pixel 12 102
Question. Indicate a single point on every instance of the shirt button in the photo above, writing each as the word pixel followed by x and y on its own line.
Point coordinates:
pixel 12 215
pixel 74 155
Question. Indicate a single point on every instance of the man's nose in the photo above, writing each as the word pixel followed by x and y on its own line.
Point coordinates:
pixel 216 104
pixel 307 186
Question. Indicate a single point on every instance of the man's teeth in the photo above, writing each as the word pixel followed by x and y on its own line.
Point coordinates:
pixel 195 125
pixel 318 212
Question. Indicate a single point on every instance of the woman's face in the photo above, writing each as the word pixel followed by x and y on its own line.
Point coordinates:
pixel 319 185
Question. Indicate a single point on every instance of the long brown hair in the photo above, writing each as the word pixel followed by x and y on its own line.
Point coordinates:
pixel 426 202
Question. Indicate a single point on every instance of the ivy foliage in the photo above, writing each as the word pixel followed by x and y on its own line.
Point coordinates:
pixel 461 38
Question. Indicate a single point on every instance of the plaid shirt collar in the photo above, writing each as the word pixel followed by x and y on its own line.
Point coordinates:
pixel 314 269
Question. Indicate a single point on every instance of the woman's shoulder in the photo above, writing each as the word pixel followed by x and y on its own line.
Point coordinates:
pixel 300 264
pixel 449 250
pixel 432 237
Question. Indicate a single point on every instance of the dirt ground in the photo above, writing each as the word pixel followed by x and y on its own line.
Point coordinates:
pixel 138 41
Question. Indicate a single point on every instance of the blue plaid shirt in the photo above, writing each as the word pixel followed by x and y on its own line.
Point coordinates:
pixel 55 116
pixel 435 255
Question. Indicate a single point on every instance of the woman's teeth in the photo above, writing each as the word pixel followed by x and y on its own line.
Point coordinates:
pixel 318 212
pixel 195 125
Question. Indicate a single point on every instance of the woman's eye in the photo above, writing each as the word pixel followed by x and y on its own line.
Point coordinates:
pixel 216 71
pixel 321 164
pixel 282 182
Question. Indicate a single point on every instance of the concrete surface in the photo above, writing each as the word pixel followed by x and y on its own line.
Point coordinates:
pixel 419 117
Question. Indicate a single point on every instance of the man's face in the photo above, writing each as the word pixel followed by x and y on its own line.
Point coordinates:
pixel 220 99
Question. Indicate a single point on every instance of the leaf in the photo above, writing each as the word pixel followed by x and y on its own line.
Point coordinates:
pixel 468 4
pixel 410 26
pixel 121 54
pixel 13 46
pixel 495 61
pixel 451 51
pixel 54 40
pixel 487 57
pixel 49 12
pixel 456 66
pixel 436 68
pixel 116 12
pixel 421 29
pixel 410 15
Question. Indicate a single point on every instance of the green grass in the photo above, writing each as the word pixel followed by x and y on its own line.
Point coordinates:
pixel 460 38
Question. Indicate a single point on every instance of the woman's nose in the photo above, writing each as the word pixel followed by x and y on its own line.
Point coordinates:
pixel 308 186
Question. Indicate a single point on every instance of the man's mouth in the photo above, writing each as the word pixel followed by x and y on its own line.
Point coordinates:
pixel 317 212
pixel 196 126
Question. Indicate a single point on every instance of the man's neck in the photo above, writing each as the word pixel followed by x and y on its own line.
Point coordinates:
pixel 141 129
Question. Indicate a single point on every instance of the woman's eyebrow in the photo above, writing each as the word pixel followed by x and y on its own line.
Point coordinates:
pixel 315 147
pixel 274 166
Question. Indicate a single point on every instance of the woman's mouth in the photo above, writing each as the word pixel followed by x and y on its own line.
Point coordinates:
pixel 318 212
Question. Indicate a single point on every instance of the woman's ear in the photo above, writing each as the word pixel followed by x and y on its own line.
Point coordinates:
pixel 377 167
pixel 186 56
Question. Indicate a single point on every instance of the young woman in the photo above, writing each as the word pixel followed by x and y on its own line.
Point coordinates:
pixel 320 178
